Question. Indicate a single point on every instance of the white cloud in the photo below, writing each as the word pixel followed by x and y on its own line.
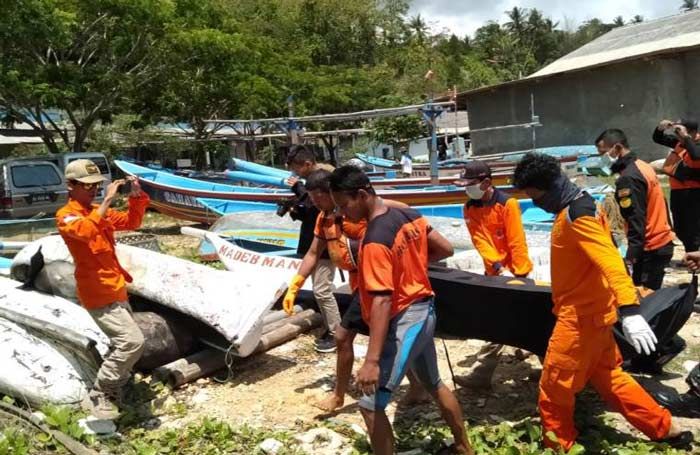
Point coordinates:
pixel 465 16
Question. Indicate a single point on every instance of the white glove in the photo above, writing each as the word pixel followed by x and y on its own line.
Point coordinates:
pixel 639 334
pixel 507 273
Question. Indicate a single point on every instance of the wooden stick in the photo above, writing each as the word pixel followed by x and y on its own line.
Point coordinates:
pixel 208 361
pixel 294 319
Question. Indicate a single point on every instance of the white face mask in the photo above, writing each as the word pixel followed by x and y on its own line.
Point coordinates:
pixel 474 191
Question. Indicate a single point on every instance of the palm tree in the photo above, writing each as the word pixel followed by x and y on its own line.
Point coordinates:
pixel 689 5
pixel 637 19
pixel 419 28
pixel 619 21
pixel 517 17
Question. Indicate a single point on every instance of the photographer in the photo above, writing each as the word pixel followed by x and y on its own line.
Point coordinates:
pixel 88 230
pixel 302 162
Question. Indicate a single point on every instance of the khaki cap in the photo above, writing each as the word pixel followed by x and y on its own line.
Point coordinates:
pixel 84 171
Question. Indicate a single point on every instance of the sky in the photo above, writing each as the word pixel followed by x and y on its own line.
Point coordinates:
pixel 465 16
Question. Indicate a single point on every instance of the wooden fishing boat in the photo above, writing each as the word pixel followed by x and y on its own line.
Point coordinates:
pixel 179 196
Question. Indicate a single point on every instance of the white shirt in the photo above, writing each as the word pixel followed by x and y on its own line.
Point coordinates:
pixel 406 164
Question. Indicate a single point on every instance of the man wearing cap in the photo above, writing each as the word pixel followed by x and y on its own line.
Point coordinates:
pixel 88 231
pixel 682 166
pixel 495 224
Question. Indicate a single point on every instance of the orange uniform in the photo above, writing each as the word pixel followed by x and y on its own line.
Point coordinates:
pixel 497 232
pixel 342 239
pixel 100 279
pixel 394 260
pixel 589 282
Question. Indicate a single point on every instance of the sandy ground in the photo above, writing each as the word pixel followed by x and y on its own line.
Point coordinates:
pixel 277 389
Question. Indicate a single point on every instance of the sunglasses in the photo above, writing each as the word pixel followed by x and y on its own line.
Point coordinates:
pixel 88 186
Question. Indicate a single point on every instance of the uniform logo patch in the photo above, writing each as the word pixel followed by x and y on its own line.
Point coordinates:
pixel 624 192
pixel 626 203
pixel 92 169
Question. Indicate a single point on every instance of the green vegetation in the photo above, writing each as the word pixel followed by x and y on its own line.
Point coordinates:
pixel 106 69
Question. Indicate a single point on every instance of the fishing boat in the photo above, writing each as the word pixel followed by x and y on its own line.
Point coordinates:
pixel 178 196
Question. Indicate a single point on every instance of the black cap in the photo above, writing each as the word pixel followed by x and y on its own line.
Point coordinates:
pixel 475 169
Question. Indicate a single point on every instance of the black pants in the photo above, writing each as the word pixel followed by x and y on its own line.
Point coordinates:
pixel 685 208
pixel 649 270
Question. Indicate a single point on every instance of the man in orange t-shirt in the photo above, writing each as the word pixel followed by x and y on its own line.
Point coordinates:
pixel 88 230
pixel 495 224
pixel 340 237
pixel 590 286
pixel 396 301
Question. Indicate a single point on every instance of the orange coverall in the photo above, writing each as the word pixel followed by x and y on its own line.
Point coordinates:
pixel 100 279
pixel 496 228
pixel 589 281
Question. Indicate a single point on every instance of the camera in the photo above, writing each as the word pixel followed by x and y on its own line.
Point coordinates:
pixel 297 205
pixel 125 188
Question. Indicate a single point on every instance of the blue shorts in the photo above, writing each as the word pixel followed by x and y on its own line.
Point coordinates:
pixel 409 344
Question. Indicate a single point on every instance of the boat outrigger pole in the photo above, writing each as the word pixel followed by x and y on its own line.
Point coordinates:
pixel 430 113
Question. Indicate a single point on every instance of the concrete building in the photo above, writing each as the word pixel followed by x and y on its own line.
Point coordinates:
pixel 629 78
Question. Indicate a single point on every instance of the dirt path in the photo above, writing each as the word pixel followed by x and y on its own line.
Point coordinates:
pixel 276 389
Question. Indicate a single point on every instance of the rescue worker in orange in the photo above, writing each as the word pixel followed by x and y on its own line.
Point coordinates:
pixel 589 286
pixel 495 224
pixel 88 231
pixel 341 238
pixel 643 206
pixel 396 301
pixel 683 168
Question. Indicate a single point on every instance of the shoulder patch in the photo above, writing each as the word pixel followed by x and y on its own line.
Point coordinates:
pixel 582 206
pixel 626 203
pixel 624 192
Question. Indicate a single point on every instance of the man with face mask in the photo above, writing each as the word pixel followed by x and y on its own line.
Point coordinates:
pixel 589 287
pixel 643 206
pixel 495 224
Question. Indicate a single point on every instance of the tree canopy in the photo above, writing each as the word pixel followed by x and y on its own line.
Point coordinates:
pixel 186 61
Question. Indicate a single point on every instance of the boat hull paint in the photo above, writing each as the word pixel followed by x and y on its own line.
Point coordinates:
pixel 233 305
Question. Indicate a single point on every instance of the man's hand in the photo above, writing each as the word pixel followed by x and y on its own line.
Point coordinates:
pixel 665 124
pixel 291 180
pixel 639 334
pixel 680 130
pixel 135 186
pixel 692 260
pixel 368 377
pixel 112 190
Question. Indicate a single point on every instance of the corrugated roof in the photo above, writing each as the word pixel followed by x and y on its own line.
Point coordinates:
pixel 660 35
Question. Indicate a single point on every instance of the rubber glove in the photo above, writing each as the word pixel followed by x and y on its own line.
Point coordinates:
pixel 507 273
pixel 292 291
pixel 639 334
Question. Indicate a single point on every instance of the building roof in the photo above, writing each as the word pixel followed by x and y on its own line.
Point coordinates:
pixel 667 34
pixel 659 36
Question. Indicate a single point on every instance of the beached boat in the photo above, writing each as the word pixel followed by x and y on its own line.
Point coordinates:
pixel 232 304
pixel 178 196
pixel 50 348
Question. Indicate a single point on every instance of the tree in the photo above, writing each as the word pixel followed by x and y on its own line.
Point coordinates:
pixel 618 21
pixel 689 5
pixel 83 58
pixel 398 130
pixel 637 19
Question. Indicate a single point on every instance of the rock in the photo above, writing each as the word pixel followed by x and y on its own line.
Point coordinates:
pixel 200 397
pixel 496 418
pixel 39 416
pixel 202 381
pixel 270 446
pixel 358 429
pixel 93 425
pixel 151 424
pixel 481 402
pixel 322 441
